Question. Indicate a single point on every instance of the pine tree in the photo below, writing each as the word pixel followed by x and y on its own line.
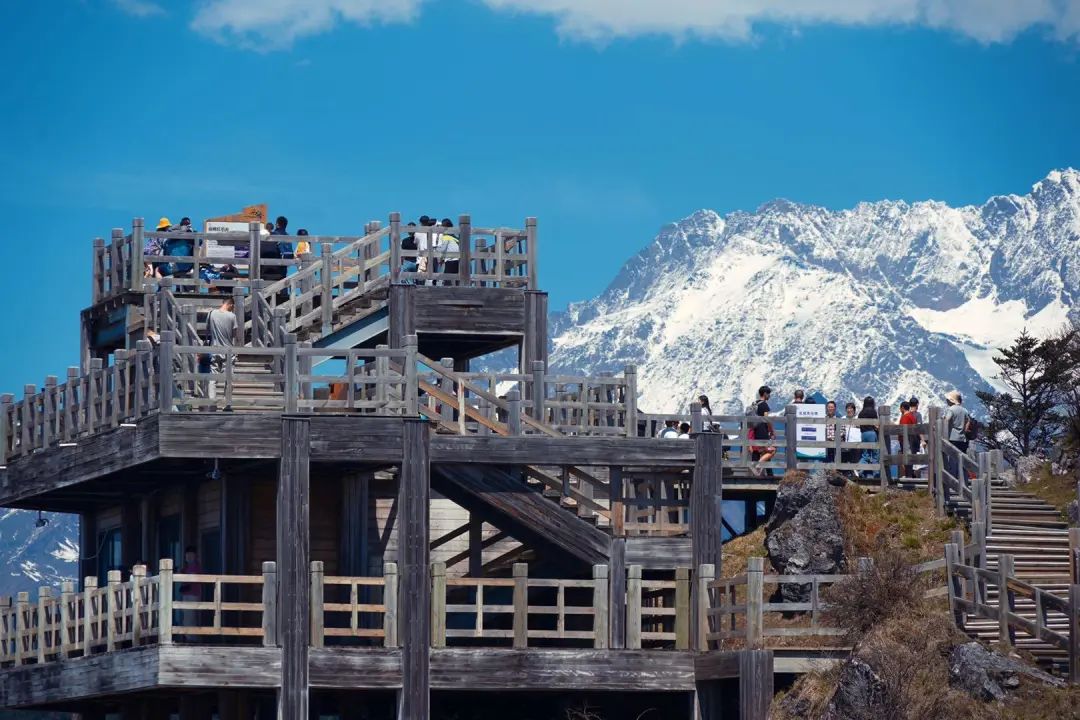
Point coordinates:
pixel 1026 418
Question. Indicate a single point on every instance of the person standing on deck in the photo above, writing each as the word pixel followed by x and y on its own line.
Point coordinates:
pixel 707 423
pixel 852 434
pixel 189 591
pixel 800 397
pixel 868 434
pixel 669 431
pixel 222 327
pixel 956 421
pixel 447 245
pixel 763 431
pixel 830 431
pixel 907 417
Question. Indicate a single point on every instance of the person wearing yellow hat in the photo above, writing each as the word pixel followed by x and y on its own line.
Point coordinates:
pixel 163 224
pixel 154 246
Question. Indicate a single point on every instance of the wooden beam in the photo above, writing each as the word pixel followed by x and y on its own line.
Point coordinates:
pixel 617 592
pixel 293 561
pixel 755 684
pixel 414 492
pixel 402 302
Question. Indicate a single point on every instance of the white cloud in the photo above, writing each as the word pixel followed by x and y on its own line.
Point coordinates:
pixel 271 24
pixel 139 8
pixel 274 24
pixel 983 20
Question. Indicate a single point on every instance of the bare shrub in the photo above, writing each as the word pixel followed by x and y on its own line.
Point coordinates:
pixel 873 595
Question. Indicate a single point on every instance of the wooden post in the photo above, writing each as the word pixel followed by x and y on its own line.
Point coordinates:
pixel 465 245
pixel 1074 633
pixel 531 254
pixel 601 605
pixel 395 247
pixel 791 458
pixel 44 612
pixel 696 424
pixel 884 414
pixel 1006 600
pixel 755 684
pixel 755 589
pixel 113 608
pixel 630 400
pixel 538 394
pixel 317 597
pixel 390 602
pixel 700 619
pixel 521 605
pixel 476 545
pixel 933 466
pixel 327 276
pixel 137 259
pixel 23 626
pixel 89 620
pixel 292 369
pixel 705 500
pixel 254 256
pixel 165 374
pixel 682 608
pixel 617 593
pixel 69 629
pixel 438 605
pixel 615 500
pixel 1074 555
pixel 293 558
pixel 138 581
pixel 412 389
pixel 633 608
pixel 414 489
pixel 952 559
pixel 513 421
pixel 165 601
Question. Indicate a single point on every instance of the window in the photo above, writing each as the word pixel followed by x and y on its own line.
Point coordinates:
pixel 169 540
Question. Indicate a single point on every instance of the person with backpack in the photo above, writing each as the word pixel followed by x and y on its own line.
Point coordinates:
pixel 960 430
pixel 448 250
pixel 179 247
pixel 868 434
pixel 761 431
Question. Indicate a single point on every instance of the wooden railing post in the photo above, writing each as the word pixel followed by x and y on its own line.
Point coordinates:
pixel 138 580
pixel 22 626
pixel 44 611
pixel 1074 555
pixel 601 607
pixel 633 607
pixel 952 580
pixel 254 260
pixel 682 608
pixel 438 605
pixel 538 395
pixel 395 247
pixel 521 605
pixel 137 259
pixel 531 254
pixel 884 415
pixel 165 373
pixel 933 467
pixel 238 313
pixel 317 596
pixel 706 575
pixel 1074 633
pixel 28 423
pixel 291 374
pixel 91 615
pixel 513 409
pixel 7 427
pixel 696 423
pixel 791 458
pixel 326 274
pixel 269 603
pixel 755 590
pixel 390 602
pixel 69 629
pixel 630 400
pixel 165 601
pixel 114 609
pixel 97 272
pixel 1006 600
pixel 412 388
pixel 465 246
pixel 49 412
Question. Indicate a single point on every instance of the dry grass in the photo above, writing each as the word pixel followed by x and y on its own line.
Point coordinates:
pixel 738 551
pixel 1058 490
pixel 895 518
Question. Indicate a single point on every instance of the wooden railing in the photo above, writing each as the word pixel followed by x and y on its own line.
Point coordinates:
pixel 354 610
pixel 487 257
pixel 969 595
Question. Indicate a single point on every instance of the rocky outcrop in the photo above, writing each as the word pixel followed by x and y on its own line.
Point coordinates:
pixel 987 675
pixel 1025 469
pixel 1072 510
pixel 803 534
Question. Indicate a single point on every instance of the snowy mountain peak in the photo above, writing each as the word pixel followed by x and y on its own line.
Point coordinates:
pixel 887 298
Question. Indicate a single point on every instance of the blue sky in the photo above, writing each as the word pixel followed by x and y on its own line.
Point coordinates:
pixel 606 120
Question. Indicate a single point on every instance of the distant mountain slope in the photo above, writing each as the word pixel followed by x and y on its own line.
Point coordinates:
pixel 34 556
pixel 887 299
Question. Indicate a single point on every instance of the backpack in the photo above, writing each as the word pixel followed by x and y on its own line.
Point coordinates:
pixel 971 428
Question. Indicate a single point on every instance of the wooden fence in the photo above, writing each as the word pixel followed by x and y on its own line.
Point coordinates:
pixel 970 589
pixel 339 266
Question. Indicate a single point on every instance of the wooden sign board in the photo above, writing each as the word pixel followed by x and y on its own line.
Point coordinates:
pixel 251 213
pixel 237 222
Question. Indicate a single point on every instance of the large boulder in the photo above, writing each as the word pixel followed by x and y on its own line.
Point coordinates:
pixel 1025 469
pixel 987 675
pixel 1072 510
pixel 803 534
pixel 861 694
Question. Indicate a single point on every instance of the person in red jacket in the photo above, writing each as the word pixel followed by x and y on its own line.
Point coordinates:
pixel 908 417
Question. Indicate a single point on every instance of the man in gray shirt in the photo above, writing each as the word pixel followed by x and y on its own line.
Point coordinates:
pixel 956 416
pixel 222 327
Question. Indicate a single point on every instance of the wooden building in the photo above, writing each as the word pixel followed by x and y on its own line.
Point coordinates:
pixel 368 515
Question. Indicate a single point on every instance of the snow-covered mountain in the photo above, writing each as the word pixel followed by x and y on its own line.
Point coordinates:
pixel 32 556
pixel 888 299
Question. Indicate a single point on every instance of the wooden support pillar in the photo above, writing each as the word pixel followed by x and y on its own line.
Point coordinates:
pixel 355 520
pixel 617 593
pixel 755 684
pixel 705 517
pixel 534 343
pixel 402 314
pixel 414 490
pixel 791 459
pixel 476 545
pixel 293 561
pixel 87 545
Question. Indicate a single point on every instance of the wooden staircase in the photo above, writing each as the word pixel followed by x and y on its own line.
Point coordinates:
pixel 1034 533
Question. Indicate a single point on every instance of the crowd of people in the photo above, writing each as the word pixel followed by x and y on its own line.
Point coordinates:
pixel 428 239
pixel 183 247
pixel 960 427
